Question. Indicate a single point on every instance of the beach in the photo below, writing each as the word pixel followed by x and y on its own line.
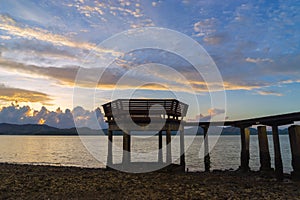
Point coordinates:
pixel 51 182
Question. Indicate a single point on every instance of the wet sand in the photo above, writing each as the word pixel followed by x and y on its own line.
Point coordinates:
pixel 48 182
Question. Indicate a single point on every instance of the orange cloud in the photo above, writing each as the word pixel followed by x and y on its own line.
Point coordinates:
pixel 21 95
pixel 41 121
pixel 273 93
pixel 202 86
pixel 67 76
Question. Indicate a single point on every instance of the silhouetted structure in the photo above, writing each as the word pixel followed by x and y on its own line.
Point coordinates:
pixel 136 114
pixel 144 111
pixel 273 121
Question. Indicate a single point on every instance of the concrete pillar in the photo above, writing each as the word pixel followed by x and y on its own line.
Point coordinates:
pixel 126 148
pixel 109 150
pixel 169 149
pixel 206 149
pixel 264 154
pixel 160 153
pixel 182 154
pixel 277 154
pixel 294 133
pixel 245 156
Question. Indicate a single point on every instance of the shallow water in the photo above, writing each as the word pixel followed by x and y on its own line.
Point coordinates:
pixel 70 151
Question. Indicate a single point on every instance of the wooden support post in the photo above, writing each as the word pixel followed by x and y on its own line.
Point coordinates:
pixel 206 149
pixel 169 149
pixel 182 154
pixel 160 153
pixel 277 153
pixel 245 155
pixel 264 154
pixel 109 150
pixel 126 148
pixel 294 133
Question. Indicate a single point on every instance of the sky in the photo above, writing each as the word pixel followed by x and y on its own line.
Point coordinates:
pixel 254 44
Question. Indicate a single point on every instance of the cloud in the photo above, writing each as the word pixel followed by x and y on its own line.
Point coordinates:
pixel 258 60
pixel 9 94
pixel 215 111
pixel 205 27
pixel 269 92
pixel 11 27
pixel 287 82
pixel 227 85
pixel 244 86
pixel 7 19
pixel 127 12
pixel 5 37
pixel 101 8
pixel 63 74
pixel 283 65
pixel 32 11
pixel 15 114
pixel 212 112
pixel 216 39
pixel 41 56
pixel 67 75
pixel 84 118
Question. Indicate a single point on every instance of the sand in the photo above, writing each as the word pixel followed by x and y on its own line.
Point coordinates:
pixel 48 182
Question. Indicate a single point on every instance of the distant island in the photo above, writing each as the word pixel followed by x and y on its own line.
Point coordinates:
pixel 37 129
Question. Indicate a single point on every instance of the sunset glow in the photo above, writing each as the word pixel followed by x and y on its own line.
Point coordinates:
pixel 255 46
pixel 41 121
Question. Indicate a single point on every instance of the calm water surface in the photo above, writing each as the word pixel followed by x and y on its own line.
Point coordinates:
pixel 70 151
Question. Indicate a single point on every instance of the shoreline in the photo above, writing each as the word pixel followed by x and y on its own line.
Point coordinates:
pixel 60 182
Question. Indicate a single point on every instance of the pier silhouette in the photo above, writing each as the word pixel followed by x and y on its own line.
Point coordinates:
pixel 146 114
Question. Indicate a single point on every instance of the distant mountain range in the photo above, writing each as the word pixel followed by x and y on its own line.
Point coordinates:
pixel 36 129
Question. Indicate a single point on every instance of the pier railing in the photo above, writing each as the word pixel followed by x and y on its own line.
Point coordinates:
pixel 142 108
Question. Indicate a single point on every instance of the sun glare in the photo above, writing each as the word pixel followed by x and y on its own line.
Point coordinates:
pixel 41 121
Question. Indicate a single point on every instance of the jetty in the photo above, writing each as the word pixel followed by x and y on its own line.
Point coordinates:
pixel 128 115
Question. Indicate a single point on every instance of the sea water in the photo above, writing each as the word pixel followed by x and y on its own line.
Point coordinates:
pixel 91 151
